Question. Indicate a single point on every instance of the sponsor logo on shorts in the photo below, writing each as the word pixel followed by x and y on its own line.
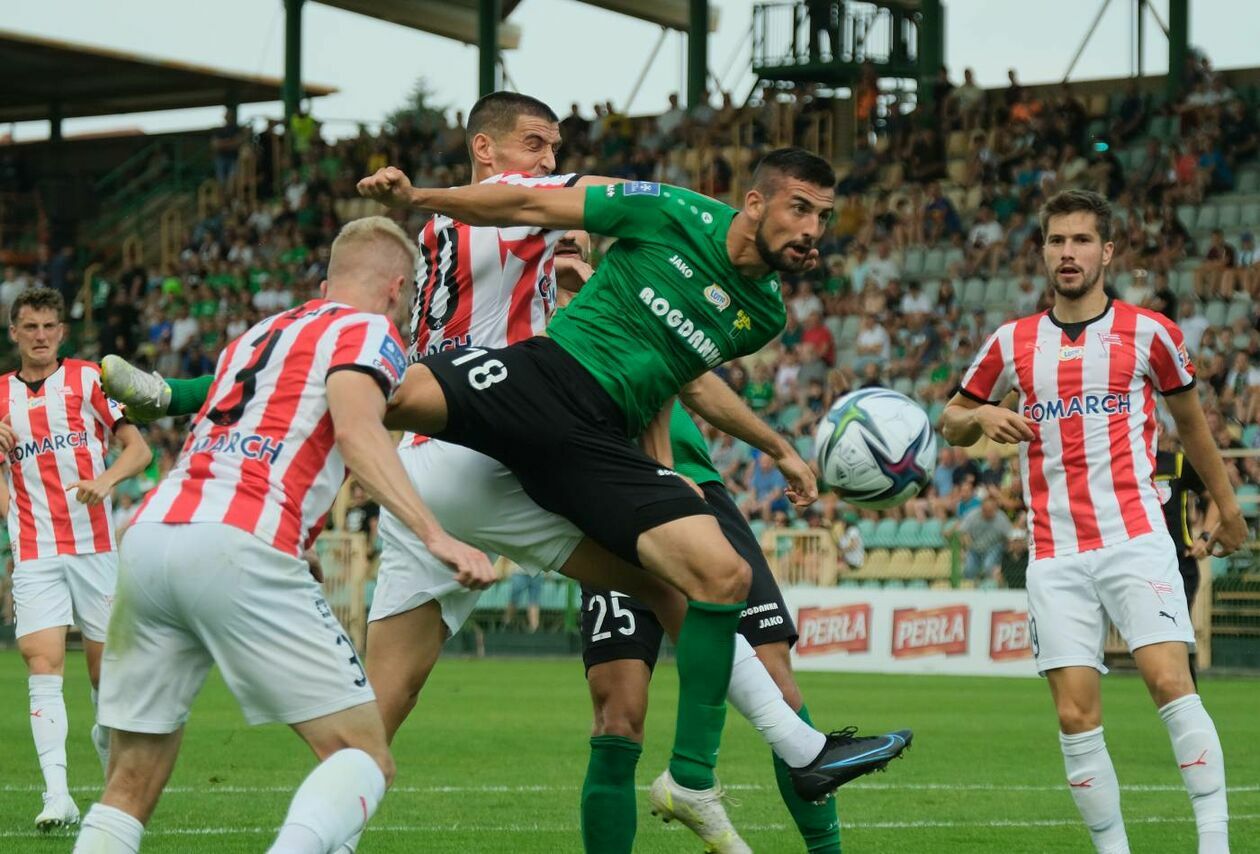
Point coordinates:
pixel 48 445
pixel 1010 636
pixel 666 473
pixel 825 630
pixel 1161 588
pixel 1172 617
pixel 640 188
pixel 933 631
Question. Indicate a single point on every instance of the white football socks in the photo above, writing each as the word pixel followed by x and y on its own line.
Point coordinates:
pixel 1094 787
pixel 332 805
pixel 49 727
pixel 108 830
pixel 756 696
pixel 100 738
pixel 1197 749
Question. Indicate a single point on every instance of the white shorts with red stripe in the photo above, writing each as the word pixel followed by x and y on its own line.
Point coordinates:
pixel 65 590
pixel 479 501
pixel 1135 584
pixel 194 595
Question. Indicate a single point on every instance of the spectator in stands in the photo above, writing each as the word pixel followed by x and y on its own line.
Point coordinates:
pixel 966 103
pixel 849 541
pixel 14 283
pixel 984 533
pixel 1014 92
pixel 863 169
pixel 941 220
pixel 1130 119
pixel 873 343
pixel 816 335
pixel 941 91
pixel 1219 257
pixel 984 244
pixel 1014 570
pixel 1239 133
pixel 916 301
pixel 926 160
pixel 225 145
pixel 883 268
pixel 526 589
pixel 184 329
pixel 766 487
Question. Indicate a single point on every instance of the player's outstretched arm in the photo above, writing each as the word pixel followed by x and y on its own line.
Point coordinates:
pixel 965 420
pixel 357 406
pixel 717 403
pixel 495 205
pixel 1201 450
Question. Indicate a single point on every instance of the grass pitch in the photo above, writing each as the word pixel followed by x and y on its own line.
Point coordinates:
pixel 492 761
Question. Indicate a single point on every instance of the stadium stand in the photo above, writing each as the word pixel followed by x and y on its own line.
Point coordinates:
pixel 935 242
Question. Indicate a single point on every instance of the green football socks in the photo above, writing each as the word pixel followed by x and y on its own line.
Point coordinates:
pixel 706 647
pixel 187 396
pixel 818 824
pixel 609 817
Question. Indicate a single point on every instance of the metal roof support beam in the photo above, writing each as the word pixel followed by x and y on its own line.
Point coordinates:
pixel 292 57
pixel 697 52
pixel 489 14
pixel 1178 45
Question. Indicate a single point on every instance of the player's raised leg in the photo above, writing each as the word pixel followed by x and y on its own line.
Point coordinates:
pixel 1196 746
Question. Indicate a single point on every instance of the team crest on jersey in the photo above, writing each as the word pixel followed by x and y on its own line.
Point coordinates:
pixel 742 323
pixel 1109 339
pixel 640 188
pixel 718 297
pixel 1183 358
pixel 1070 354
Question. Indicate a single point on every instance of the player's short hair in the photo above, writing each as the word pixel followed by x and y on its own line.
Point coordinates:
pixel 369 229
pixel 792 162
pixel 38 299
pixel 1078 201
pixel 497 113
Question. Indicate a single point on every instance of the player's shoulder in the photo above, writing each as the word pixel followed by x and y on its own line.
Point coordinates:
pixel 80 364
pixel 1147 316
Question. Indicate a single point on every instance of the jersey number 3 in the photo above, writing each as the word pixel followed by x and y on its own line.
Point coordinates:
pixel 247 379
pixel 484 375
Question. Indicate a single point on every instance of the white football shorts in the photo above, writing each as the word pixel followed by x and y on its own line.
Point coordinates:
pixel 65 590
pixel 194 595
pixel 1134 584
pixel 479 501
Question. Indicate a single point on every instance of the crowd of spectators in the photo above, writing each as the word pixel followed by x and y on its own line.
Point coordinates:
pixel 959 182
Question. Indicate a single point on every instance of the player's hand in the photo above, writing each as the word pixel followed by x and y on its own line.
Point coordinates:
pixel 1199 550
pixel 472 568
pixel 572 273
pixel 1003 425
pixel 8 436
pixel 91 492
pixel 389 185
pixel 802 489
pixel 1228 535
pixel 314 564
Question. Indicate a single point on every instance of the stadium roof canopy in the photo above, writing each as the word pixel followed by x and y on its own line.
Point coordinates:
pixel 457 19
pixel 44 78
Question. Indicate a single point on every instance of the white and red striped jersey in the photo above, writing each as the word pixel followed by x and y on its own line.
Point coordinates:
pixel 479 286
pixel 1089 389
pixel 64 426
pixel 261 455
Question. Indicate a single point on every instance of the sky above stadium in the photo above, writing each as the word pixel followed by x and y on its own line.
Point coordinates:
pixel 569 51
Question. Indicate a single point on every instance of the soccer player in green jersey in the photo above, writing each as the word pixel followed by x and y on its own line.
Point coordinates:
pixel 690 284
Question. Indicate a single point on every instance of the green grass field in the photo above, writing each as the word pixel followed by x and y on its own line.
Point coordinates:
pixel 493 758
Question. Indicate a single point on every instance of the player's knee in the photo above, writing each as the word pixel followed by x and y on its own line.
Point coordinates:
pixel 731 582
pixel 1074 718
pixel 45 664
pixel 385 761
pixel 618 717
pixel 1171 685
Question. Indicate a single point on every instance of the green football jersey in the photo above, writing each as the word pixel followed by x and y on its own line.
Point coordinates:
pixel 666 304
pixel 691 452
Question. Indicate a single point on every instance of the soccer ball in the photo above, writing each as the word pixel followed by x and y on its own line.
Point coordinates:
pixel 875 448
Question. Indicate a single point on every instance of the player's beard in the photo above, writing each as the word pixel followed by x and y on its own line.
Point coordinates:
pixel 778 261
pixel 1088 280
